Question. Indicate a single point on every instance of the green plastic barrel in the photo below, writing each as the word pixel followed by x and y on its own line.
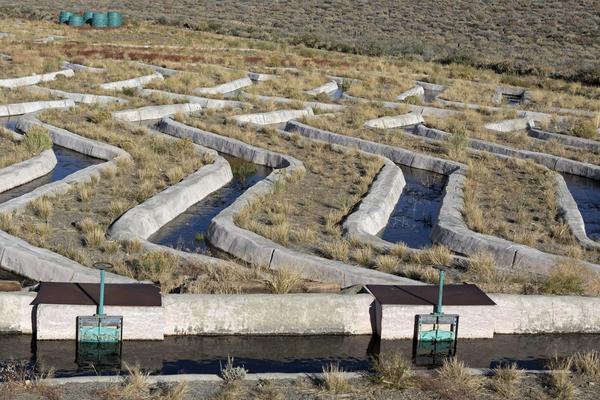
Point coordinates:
pixel 76 20
pixel 100 20
pixel 63 17
pixel 87 17
pixel 115 19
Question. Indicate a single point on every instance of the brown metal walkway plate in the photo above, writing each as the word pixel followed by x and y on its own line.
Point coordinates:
pixel 426 295
pixel 115 294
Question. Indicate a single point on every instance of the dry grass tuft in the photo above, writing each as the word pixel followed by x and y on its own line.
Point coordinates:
pixel 283 281
pixel 506 381
pixel 335 379
pixel 42 207
pixel 588 364
pixel 337 249
pixel 386 263
pixel 393 370
pixel 454 380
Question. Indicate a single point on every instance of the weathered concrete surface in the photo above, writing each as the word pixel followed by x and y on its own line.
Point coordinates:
pixel 508 125
pixel 81 67
pixel 227 87
pixel 304 314
pixel 398 321
pixel 225 235
pixel 147 218
pixel 273 117
pixel 258 77
pixel 328 88
pixel 501 91
pixel 396 154
pixel 513 314
pixel 425 111
pixel 290 314
pixel 59 322
pixel 71 141
pixel 34 79
pixel 155 112
pixel 571 214
pixel 15 312
pixel 556 163
pixel 26 171
pixel 417 91
pixel 158 69
pixel 518 314
pixel 315 105
pixel 39 264
pixel 521 113
pixel 452 231
pixel 9 110
pixel 131 83
pixel 204 102
pixel 84 98
pixel 567 140
pixel 430 86
pixel 395 121
pixel 375 208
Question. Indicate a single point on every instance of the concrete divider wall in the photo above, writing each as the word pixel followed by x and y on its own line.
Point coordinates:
pixel 155 112
pixel 145 219
pixel 28 170
pixel 225 235
pixel 508 125
pixel 40 264
pixel 15 312
pixel 571 214
pixel 202 101
pixel 521 113
pixel 328 88
pixel 520 314
pixel 303 314
pixel 8 110
pixel 292 314
pixel 81 67
pixel 430 86
pixel 227 87
pixel 395 121
pixel 556 163
pixel 64 138
pixel 259 77
pixel 84 98
pixel 452 231
pixel 417 91
pixel 131 83
pixel 273 117
pixel 315 105
pixel 33 79
pixel 425 111
pixel 158 69
pixel 58 321
pixel 567 140
pixel 396 154
pixel 375 208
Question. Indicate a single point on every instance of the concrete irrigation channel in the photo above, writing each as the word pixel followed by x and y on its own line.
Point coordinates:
pixel 416 211
pixel 300 354
pixel 187 231
pixel 586 193
pixel 67 162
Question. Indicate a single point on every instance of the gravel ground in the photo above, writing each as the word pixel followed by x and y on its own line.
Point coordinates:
pixel 531 387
